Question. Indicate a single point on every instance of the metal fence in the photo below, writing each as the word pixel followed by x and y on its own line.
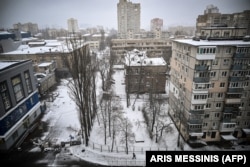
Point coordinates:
pixel 122 149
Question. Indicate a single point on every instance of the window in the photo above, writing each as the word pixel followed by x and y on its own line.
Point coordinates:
pixel 199 107
pixel 218 105
pixel 222 84
pixel 27 81
pixel 220 95
pixel 197 97
pixel 210 95
pixel 208 105
pixel 206 116
pixel 215 62
pixel 18 89
pixel 5 95
pixel 216 115
pixel 224 73
pixel 228 50
pixel 211 85
pixel 205 124
pixel 212 74
pixel 226 62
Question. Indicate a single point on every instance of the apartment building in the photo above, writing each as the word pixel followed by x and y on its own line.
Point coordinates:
pixel 129 19
pixel 44 51
pixel 144 74
pixel 27 27
pixel 154 47
pixel 19 102
pixel 209 89
pixel 73 25
pixel 213 17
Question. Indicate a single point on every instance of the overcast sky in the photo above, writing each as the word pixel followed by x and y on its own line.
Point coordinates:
pixel 90 13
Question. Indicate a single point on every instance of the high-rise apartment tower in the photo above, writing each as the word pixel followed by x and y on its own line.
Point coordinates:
pixel 129 15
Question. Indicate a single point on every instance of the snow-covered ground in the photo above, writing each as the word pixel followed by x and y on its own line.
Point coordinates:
pixel 62 118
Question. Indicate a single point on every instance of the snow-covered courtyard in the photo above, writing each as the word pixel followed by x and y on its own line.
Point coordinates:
pixel 62 119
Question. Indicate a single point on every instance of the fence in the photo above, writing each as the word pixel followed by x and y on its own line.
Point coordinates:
pixel 122 149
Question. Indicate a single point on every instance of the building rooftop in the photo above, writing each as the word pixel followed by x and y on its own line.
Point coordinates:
pixel 48 46
pixel 213 43
pixel 8 64
pixel 139 58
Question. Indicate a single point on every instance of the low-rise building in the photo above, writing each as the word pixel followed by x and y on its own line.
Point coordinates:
pixel 144 74
pixel 19 102
pixel 154 47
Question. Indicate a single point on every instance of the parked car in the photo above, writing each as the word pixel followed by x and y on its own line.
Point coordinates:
pixel 47 149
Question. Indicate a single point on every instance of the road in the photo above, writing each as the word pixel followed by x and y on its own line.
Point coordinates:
pixel 28 158
pixel 42 159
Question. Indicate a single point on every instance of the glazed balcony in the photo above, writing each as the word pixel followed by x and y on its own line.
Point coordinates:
pixel 202 67
pixel 235 90
pixel 237 79
pixel 201 79
pixel 198 112
pixel 241 55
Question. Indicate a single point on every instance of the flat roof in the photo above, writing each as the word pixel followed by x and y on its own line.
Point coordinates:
pixel 213 43
pixel 44 64
pixel 7 64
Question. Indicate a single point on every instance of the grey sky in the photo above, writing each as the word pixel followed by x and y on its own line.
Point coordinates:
pixel 54 13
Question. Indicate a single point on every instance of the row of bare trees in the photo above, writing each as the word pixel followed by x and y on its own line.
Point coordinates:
pixel 111 116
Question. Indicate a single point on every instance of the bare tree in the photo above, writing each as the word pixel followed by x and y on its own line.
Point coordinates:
pixel 127 136
pixel 82 82
pixel 116 119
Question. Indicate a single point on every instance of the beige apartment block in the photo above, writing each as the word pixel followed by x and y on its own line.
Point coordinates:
pixel 209 90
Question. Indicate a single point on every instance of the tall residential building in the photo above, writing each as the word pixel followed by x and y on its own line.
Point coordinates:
pixel 209 89
pixel 73 25
pixel 212 17
pixel 19 102
pixel 156 24
pixel 129 18
pixel 27 27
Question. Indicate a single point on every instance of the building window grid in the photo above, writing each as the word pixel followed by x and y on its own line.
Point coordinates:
pixel 5 95
pixel 28 81
pixel 17 87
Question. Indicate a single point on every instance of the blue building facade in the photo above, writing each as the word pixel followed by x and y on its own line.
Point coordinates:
pixel 19 102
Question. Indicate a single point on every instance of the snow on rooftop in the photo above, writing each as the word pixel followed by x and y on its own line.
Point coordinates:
pixel 44 64
pixel 213 43
pixel 5 64
pixel 4 32
pixel 139 58
pixel 51 46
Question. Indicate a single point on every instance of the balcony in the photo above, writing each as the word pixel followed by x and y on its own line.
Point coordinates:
pixel 230 109
pixel 241 55
pixel 237 79
pixel 202 67
pixel 236 67
pixel 227 127
pixel 201 79
pixel 198 112
pixel 205 56
pixel 232 100
pixel 195 121
pixel 235 90
pixel 247 88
